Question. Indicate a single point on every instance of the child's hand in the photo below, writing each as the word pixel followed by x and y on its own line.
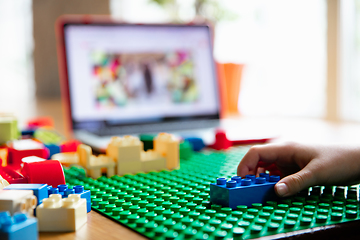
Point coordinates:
pixel 304 165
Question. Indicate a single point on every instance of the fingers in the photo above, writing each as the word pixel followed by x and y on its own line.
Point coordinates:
pixel 294 183
pixel 291 158
pixel 266 153
pixel 249 162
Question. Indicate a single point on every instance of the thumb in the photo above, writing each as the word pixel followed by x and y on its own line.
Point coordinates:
pixel 294 183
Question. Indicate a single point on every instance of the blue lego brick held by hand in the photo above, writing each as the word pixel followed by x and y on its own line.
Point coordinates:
pixel 39 190
pixel 238 191
pixel 18 227
pixel 65 191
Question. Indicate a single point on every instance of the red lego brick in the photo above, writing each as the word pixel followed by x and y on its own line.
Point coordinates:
pixel 41 122
pixel 24 148
pixel 11 175
pixel 272 168
pixel 221 141
pixel 49 172
pixel 69 146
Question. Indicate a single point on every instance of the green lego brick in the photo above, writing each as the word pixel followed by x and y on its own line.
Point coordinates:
pixel 176 204
pixel 147 140
pixel 48 136
pixel 8 129
pixel 185 150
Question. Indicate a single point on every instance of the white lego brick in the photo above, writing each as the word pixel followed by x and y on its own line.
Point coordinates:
pixel 32 159
pixel 17 201
pixel 3 183
pixel 152 161
pixel 61 215
pixel 129 167
pixel 26 144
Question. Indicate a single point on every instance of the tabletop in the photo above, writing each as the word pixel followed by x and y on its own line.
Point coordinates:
pixel 281 129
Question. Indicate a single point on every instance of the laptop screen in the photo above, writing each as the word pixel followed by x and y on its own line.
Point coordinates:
pixel 125 74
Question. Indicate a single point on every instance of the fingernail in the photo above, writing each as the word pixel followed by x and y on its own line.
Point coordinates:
pixel 281 189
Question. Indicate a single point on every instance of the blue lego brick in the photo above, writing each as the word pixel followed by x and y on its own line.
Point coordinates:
pixel 40 190
pixel 28 132
pixel 65 192
pixel 60 189
pixel 18 227
pixel 53 149
pixel 196 143
pixel 84 194
pixel 246 191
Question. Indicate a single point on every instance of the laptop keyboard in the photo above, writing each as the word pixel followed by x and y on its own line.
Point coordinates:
pixel 159 127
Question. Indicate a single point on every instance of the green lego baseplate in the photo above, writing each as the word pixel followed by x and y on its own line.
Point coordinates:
pixel 176 204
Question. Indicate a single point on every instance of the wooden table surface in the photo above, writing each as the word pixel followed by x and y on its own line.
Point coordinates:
pixel 284 129
pixel 97 228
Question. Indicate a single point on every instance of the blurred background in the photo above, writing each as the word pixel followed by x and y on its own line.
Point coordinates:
pixel 295 58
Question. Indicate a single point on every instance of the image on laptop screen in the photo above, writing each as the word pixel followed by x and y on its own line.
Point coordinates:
pixel 129 74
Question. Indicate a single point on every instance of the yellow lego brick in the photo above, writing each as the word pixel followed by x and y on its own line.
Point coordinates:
pixel 168 146
pixel 160 143
pixel 66 158
pixel 125 149
pixel 95 164
pixel 61 215
pixel 3 156
pixel 112 148
pixel 172 155
pixel 152 161
pixel 130 167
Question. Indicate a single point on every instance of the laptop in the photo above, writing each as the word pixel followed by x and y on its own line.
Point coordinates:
pixel 120 78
